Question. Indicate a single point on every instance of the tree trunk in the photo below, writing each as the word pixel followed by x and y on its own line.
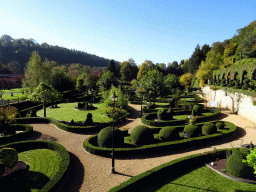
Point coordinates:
pixel 44 108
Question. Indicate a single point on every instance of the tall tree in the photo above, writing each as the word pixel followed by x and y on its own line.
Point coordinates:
pixel 112 67
pixel 174 64
pixel 46 94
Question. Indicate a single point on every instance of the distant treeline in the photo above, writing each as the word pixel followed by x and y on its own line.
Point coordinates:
pixel 15 53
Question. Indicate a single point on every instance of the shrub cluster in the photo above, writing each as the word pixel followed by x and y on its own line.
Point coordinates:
pixel 198 109
pixel 161 114
pixel 8 159
pixel 105 137
pixel 220 125
pixel 169 133
pixel 192 130
pixel 141 135
pixel 236 167
pixel 209 128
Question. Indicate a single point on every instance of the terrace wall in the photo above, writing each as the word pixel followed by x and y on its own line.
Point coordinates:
pixel 243 107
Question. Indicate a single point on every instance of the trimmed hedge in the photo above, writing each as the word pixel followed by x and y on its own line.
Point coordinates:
pixel 57 179
pixel 142 135
pixel 192 130
pixel 145 118
pixel 28 131
pixel 158 174
pixel 90 144
pixel 209 128
pixel 169 134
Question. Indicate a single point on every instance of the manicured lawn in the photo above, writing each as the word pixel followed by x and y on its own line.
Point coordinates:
pixel 67 112
pixel 44 164
pixel 196 179
pixel 15 96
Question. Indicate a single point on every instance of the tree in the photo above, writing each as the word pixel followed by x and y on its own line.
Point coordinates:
pixel 106 80
pixel 7 114
pixel 1 65
pixel 91 80
pixel 144 67
pixel 128 71
pixel 153 84
pixel 112 67
pixel 186 79
pixel 46 94
pixel 174 64
pixel 171 81
pixel 61 81
pixel 74 70
pixel 79 85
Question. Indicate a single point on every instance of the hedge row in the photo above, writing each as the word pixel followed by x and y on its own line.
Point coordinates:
pixel 57 179
pixel 145 118
pixel 27 131
pixel 90 144
pixel 158 174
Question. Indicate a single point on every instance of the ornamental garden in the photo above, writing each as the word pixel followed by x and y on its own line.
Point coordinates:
pixel 172 121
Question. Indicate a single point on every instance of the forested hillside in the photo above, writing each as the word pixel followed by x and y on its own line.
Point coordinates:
pixel 224 54
pixel 15 53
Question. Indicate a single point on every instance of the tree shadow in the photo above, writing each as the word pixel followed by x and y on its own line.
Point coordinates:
pixel 74 177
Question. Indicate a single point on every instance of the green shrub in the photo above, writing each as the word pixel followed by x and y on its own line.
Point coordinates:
pixel 192 130
pixel 72 122
pixel 240 153
pixel 169 114
pixel 245 87
pixel 193 112
pixel 9 157
pixel 209 128
pixel 198 109
pixel 141 135
pixel 169 134
pixel 89 120
pixel 237 168
pixel 161 114
pixel 105 137
pixel 220 125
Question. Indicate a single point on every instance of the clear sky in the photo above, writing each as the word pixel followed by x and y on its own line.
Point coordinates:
pixel 162 31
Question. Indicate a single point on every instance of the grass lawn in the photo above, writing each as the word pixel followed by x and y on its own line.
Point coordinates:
pixel 44 164
pixel 15 96
pixel 67 112
pixel 196 179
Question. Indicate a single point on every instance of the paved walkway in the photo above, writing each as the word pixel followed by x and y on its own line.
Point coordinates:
pixel 91 173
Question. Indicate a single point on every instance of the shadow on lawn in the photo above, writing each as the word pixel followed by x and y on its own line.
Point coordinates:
pixel 74 177
pixel 238 136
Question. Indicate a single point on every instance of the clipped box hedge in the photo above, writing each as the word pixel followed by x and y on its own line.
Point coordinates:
pixel 90 144
pixel 158 174
pixel 57 179
pixel 27 131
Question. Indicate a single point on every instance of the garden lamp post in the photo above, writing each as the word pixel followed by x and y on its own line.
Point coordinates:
pixel 113 98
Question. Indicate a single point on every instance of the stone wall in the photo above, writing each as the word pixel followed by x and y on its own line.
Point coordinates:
pixel 242 106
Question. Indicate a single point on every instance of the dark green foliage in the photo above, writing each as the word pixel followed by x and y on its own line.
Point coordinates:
pixel 192 130
pixel 169 134
pixel 198 109
pixel 220 125
pixel 79 105
pixel 105 137
pixel 193 112
pixel 161 114
pixel 141 135
pixel 209 128
pixel 245 87
pixel 89 120
pixel 2 168
pixel 9 157
pixel 169 114
pixel 236 167
pixel 72 122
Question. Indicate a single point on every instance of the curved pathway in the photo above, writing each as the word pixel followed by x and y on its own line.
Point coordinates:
pixel 92 173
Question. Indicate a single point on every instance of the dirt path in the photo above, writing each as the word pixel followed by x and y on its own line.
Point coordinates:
pixel 91 173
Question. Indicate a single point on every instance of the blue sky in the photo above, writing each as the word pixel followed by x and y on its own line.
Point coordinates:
pixel 156 30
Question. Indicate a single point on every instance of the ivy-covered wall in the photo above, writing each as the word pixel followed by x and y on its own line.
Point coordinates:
pixel 244 69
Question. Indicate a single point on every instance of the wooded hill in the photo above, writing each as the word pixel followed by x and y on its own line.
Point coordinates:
pixel 15 53
pixel 227 53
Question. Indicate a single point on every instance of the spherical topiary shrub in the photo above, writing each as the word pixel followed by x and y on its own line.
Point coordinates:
pixel 169 134
pixel 198 109
pixel 237 168
pixel 192 130
pixel 105 137
pixel 209 128
pixel 220 125
pixel 141 135
pixel 9 157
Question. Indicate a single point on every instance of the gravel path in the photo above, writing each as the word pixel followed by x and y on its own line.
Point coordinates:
pixel 91 173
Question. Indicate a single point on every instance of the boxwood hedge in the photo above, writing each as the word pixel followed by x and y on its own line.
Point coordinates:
pixel 57 179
